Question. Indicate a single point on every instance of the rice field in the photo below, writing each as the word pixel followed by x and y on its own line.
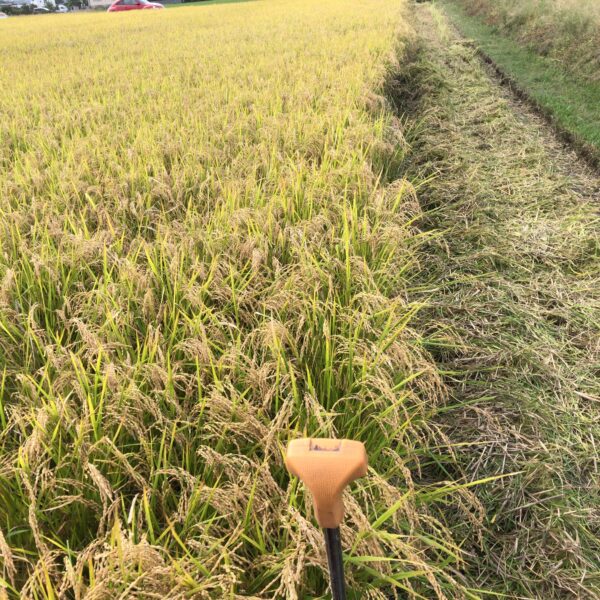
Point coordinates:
pixel 207 250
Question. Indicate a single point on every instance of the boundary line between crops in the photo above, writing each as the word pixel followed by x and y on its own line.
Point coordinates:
pixel 586 151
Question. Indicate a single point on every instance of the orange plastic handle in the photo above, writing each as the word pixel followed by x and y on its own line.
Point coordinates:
pixel 326 467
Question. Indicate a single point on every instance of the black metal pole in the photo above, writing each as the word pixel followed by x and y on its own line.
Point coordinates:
pixel 333 543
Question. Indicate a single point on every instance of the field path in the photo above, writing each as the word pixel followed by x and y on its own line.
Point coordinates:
pixel 513 288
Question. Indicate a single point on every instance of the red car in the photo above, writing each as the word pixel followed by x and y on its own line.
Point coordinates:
pixel 121 5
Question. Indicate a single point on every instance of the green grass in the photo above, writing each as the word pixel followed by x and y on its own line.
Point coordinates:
pixel 574 102
pixel 567 31
pixel 205 3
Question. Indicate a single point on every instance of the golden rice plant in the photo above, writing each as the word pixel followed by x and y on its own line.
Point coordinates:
pixel 206 250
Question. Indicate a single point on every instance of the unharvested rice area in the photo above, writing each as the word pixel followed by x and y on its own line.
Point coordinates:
pixel 206 251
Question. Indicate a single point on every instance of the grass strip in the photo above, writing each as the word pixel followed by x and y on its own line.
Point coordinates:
pixel 573 103
pixel 565 31
pixel 204 3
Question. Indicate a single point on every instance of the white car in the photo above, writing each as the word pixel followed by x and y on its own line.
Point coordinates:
pixel 3 15
pixel 61 8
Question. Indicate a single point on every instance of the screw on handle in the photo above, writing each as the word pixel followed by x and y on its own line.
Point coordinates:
pixel 327 466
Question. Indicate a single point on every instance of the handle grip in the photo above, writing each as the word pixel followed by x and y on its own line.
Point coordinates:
pixel 327 466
